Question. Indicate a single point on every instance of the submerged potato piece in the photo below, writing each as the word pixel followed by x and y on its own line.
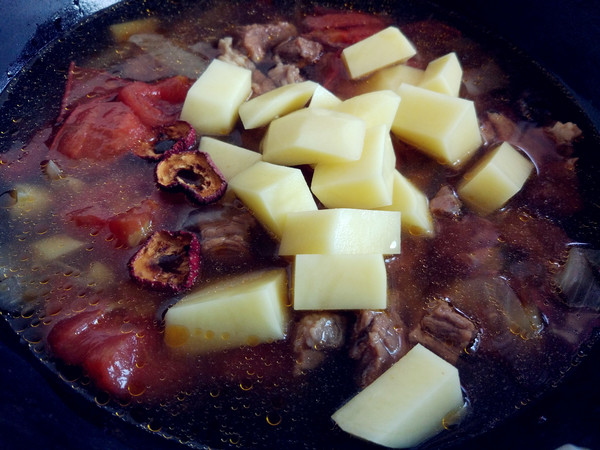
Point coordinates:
pixel 495 179
pixel 407 404
pixel 375 108
pixel 391 78
pixel 27 199
pixel 56 246
pixel 341 231
pixel 366 183
pixel 312 136
pixel 121 32
pixel 229 158
pixel 323 98
pixel 413 205
pixel 444 127
pixel 387 47
pixel 323 282
pixel 247 309
pixel 261 110
pixel 271 192
pixel 443 75
pixel 212 103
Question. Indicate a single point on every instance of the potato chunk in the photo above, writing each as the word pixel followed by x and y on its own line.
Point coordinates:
pixel 323 98
pixel 444 127
pixel 248 309
pixel 212 103
pixel 387 47
pixel 413 205
pixel 341 231
pixel 495 179
pixel 323 282
pixel 366 183
pixel 443 75
pixel 375 108
pixel 229 158
pixel 261 110
pixel 391 78
pixel 312 136
pixel 407 404
pixel 56 246
pixel 271 192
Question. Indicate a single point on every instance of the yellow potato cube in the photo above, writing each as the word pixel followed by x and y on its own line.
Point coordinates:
pixel 375 108
pixel 271 192
pixel 323 98
pixel 391 78
pixel 407 404
pixel 341 231
pixel 312 136
pixel 412 203
pixel 212 103
pixel 54 247
pixel 443 75
pixel 444 127
pixel 366 183
pixel 247 309
pixel 325 282
pixel 261 110
pixel 495 179
pixel 380 50
pixel 229 158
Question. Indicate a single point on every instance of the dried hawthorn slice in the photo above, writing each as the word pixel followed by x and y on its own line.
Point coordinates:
pixel 178 136
pixel 192 172
pixel 169 260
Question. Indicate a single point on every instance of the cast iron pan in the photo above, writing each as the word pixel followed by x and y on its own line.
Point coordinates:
pixel 38 409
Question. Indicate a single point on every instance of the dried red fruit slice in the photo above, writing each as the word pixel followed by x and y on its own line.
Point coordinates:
pixel 178 136
pixel 192 172
pixel 169 260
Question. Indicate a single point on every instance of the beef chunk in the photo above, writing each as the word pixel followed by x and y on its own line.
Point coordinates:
pixel 283 74
pixel 444 331
pixel 258 39
pixel 299 50
pixel 378 341
pixel 314 335
pixel 445 203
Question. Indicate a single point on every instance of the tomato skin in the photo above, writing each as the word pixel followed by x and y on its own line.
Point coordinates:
pixel 156 104
pixel 132 226
pixel 100 131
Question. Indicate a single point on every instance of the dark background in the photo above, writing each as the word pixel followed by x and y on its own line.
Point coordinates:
pixel 37 410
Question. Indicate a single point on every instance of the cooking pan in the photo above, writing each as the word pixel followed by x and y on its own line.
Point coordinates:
pixel 39 409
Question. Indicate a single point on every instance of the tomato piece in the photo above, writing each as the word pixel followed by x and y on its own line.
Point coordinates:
pixel 343 20
pixel 132 226
pixel 156 104
pixel 100 131
pixel 87 217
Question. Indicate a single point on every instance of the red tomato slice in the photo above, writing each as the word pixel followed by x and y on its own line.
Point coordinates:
pixel 100 131
pixel 156 104
pixel 132 226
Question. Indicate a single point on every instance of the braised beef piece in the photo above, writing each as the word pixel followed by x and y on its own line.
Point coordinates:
pixel 377 341
pixel 283 74
pixel 444 331
pixel 314 335
pixel 258 39
pixel 445 202
pixel 299 50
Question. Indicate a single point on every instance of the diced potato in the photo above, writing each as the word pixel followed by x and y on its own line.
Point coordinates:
pixel 229 158
pixel 413 205
pixel 56 246
pixel 271 192
pixel 375 108
pixel 261 110
pixel 30 199
pixel 212 103
pixel 495 179
pixel 312 136
pixel 380 50
pixel 443 75
pixel 407 404
pixel 391 78
pixel 366 183
pixel 100 274
pixel 323 98
pixel 444 127
pixel 121 32
pixel 341 231
pixel 324 282
pixel 247 309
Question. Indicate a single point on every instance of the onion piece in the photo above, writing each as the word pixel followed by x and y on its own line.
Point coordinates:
pixel 579 278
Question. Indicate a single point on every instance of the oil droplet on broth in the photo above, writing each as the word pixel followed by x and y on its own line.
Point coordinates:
pixel 246 385
pixel 273 419
pixel 176 335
